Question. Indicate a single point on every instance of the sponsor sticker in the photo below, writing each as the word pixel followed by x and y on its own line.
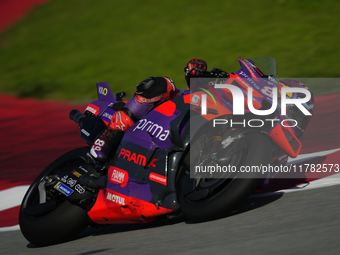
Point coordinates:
pixel 63 189
pixel 74 172
pixel 115 198
pixel 82 168
pixel 157 178
pixel 71 182
pixel 64 178
pixel 79 189
pixel 92 108
pixel 141 99
pixel 118 176
pixel 107 115
pixel 85 132
pixel 132 156
pixel 102 91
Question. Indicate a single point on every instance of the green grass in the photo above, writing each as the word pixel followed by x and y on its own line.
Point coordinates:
pixel 61 49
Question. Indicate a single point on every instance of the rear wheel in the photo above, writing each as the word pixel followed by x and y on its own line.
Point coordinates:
pixel 215 198
pixel 47 219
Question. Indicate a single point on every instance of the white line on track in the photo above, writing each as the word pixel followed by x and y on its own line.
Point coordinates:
pixel 324 182
pixel 321 183
pixel 5 229
pixel 12 197
pixel 308 156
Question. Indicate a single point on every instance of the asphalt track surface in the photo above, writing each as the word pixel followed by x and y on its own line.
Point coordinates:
pixel 299 222
pixel 304 222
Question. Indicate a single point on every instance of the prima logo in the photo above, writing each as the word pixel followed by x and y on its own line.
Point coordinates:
pixel 238 100
pixel 153 129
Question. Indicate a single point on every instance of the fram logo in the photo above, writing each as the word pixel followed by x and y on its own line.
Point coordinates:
pixel 136 158
pixel 118 176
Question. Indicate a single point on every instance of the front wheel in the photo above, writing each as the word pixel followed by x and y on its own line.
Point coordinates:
pixel 224 195
pixel 45 219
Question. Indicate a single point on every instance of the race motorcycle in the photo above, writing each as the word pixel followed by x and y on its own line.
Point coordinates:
pixel 151 173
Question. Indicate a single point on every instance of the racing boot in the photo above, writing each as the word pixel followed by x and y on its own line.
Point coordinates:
pixel 109 140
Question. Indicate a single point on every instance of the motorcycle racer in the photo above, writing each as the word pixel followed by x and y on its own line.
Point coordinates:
pixel 76 190
pixel 153 91
pixel 150 92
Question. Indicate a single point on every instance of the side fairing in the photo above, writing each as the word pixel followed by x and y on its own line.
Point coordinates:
pixel 143 152
pixel 142 174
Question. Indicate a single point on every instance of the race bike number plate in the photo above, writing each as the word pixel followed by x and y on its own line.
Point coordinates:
pixel 63 189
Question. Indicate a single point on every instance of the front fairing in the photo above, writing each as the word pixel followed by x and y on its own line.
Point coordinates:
pixel 256 78
pixel 260 77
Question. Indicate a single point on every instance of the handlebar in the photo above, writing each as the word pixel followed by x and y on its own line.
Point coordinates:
pixel 215 72
pixel 75 115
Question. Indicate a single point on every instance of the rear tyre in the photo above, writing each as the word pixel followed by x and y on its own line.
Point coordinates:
pixel 57 221
pixel 231 192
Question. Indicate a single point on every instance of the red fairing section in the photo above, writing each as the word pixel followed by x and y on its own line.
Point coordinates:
pixel 92 108
pixel 115 208
pixel 167 108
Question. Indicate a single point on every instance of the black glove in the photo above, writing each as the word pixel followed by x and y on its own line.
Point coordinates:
pixel 195 68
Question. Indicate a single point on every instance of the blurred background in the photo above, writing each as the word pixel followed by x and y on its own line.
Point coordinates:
pixel 61 49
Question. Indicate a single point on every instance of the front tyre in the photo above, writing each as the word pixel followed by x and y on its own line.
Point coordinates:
pixel 230 192
pixel 44 220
